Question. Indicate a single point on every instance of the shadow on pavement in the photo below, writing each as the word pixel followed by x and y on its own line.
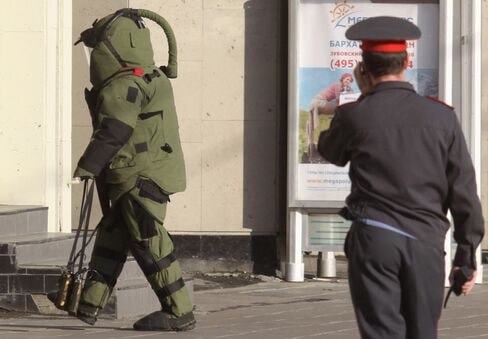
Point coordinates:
pixel 11 327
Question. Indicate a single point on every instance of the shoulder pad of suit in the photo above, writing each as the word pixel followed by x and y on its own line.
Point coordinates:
pixel 439 101
pixel 126 87
pixel 123 73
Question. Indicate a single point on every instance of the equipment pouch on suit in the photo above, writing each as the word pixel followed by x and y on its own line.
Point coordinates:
pixel 148 189
pixel 148 200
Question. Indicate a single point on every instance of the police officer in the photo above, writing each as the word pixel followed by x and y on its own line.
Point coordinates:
pixel 409 165
pixel 135 151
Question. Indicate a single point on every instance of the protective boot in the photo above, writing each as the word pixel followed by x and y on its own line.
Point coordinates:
pixel 86 313
pixel 163 321
pixel 95 294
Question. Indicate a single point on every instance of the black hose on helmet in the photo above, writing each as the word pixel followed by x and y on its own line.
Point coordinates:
pixel 171 70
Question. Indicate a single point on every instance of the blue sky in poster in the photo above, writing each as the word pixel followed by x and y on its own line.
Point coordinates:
pixel 312 80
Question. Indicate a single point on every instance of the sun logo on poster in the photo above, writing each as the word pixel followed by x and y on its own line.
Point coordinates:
pixel 340 10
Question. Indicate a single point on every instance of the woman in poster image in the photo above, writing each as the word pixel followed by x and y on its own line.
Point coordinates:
pixel 324 103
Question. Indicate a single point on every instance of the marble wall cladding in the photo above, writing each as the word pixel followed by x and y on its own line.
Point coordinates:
pixel 259 251
pixel 227 98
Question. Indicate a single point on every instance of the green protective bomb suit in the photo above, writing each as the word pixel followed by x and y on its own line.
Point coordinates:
pixel 136 156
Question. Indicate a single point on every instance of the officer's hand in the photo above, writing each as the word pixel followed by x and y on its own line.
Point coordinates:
pixel 468 285
pixel 83 174
pixel 362 79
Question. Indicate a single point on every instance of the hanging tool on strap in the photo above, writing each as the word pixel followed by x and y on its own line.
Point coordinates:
pixel 70 283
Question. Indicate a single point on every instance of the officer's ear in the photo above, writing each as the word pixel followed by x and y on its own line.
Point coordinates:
pixel 405 62
pixel 362 78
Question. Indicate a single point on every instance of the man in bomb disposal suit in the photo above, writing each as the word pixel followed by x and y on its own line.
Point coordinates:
pixel 135 151
pixel 409 165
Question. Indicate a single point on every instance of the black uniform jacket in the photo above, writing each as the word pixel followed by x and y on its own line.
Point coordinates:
pixel 409 164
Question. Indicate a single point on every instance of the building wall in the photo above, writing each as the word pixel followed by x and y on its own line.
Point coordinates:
pixel 23 102
pixel 228 105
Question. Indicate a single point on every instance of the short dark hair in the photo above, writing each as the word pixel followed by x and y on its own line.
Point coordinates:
pixel 384 63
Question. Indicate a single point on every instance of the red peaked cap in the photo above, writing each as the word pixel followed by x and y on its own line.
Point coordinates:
pixel 383 34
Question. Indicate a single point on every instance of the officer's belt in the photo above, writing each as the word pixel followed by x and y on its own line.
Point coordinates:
pixel 384 226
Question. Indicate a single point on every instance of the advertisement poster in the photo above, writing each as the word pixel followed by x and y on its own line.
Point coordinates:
pixel 325 232
pixel 326 59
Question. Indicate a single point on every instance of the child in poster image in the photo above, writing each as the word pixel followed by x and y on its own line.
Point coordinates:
pixel 324 103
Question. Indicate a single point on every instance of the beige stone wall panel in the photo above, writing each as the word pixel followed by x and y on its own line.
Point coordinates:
pixel 186 19
pixel 188 99
pixel 223 64
pixel 222 176
pixel 184 213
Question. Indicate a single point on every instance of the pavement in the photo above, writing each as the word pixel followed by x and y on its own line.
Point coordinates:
pixel 268 309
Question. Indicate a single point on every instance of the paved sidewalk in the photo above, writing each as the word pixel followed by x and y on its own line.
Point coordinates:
pixel 275 309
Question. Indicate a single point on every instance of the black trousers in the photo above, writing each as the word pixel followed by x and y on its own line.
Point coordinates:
pixel 396 284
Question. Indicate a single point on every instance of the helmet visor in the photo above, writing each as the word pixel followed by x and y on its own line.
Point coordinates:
pixel 88 51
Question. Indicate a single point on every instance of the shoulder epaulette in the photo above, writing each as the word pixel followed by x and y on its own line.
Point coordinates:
pixel 439 101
